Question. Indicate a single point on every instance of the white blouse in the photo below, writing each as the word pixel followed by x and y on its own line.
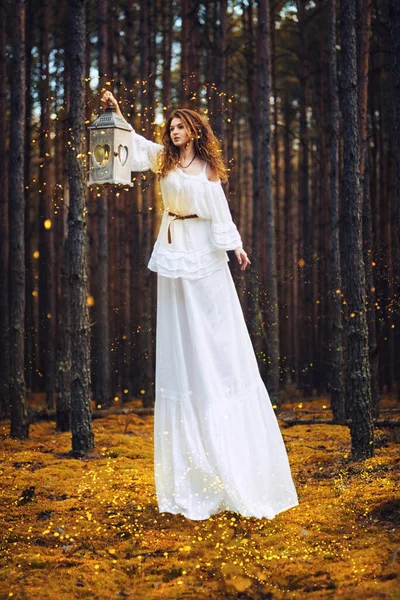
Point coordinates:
pixel 198 245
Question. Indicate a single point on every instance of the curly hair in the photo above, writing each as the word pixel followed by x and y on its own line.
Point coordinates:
pixel 206 144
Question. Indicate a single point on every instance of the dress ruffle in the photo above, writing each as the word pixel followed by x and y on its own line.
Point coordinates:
pixel 171 262
pixel 225 236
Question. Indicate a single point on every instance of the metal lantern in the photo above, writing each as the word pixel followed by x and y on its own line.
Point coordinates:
pixel 110 150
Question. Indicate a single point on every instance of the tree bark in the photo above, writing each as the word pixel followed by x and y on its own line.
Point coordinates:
pixel 272 315
pixel 394 21
pixel 102 368
pixel 19 417
pixel 81 422
pixel 250 53
pixel 335 357
pixel 4 237
pixel 63 344
pixel 46 221
pixel 305 280
pixel 362 434
pixel 63 364
pixel 167 33
pixel 31 354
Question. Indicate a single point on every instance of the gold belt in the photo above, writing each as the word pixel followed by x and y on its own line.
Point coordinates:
pixel 171 214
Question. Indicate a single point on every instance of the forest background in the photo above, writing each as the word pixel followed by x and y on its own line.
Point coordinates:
pixel 287 188
pixel 305 99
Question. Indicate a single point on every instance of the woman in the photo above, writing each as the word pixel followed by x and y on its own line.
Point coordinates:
pixel 217 443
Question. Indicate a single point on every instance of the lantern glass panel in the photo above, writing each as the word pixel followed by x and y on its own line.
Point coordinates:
pixel 102 154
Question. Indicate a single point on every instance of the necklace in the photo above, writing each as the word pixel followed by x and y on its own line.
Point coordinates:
pixel 189 163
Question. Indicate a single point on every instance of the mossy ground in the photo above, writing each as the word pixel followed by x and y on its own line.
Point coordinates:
pixel 90 528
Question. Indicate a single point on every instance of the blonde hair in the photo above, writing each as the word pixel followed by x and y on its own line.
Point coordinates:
pixel 206 144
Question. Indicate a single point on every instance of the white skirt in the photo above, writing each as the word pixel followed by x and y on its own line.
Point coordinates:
pixel 217 443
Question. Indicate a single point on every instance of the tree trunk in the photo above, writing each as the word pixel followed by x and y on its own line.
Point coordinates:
pixel 4 237
pixel 81 421
pixel 359 383
pixel 305 280
pixel 220 76
pixel 31 354
pixel 102 382
pixel 63 370
pixel 185 45
pixel 394 22
pixel 254 117
pixel 63 351
pixel 46 221
pixel 19 417
pixel 279 209
pixel 272 316
pixel 364 35
pixel 167 32
pixel 290 237
pixel 146 335
pixel 335 357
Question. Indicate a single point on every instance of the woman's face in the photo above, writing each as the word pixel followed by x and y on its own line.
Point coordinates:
pixel 178 133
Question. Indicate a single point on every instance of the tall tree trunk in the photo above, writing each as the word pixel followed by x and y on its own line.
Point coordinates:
pixel 335 357
pixel 272 316
pixel 19 416
pixel 362 434
pixel 369 256
pixel 252 51
pixel 279 210
pixel 305 280
pixel 364 10
pixel 394 20
pixel 146 335
pixel 220 75
pixel 185 45
pixel 102 382
pixel 4 237
pixel 63 370
pixel 167 33
pixel 46 221
pixel 290 236
pixel 31 367
pixel 63 351
pixel 81 422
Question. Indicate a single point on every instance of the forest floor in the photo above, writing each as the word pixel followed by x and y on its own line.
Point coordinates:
pixel 90 528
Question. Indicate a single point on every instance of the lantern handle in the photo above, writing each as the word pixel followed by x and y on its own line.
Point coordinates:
pixel 110 106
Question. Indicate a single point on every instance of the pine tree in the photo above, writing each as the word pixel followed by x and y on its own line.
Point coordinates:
pixel 358 372
pixel 19 417
pixel 81 422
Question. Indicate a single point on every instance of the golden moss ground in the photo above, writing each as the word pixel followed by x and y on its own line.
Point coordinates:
pixel 91 529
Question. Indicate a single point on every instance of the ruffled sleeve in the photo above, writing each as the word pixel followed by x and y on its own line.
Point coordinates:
pixel 145 153
pixel 224 233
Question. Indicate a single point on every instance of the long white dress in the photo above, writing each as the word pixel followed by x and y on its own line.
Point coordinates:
pixel 217 443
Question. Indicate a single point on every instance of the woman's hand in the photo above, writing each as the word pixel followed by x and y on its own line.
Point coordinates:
pixel 108 97
pixel 241 255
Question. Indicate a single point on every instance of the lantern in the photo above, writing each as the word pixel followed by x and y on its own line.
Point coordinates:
pixel 110 149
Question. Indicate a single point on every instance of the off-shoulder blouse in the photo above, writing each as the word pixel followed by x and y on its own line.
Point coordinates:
pixel 198 245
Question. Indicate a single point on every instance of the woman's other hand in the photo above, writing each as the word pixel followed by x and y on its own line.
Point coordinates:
pixel 108 97
pixel 243 260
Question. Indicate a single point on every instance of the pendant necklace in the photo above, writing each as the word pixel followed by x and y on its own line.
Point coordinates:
pixel 189 163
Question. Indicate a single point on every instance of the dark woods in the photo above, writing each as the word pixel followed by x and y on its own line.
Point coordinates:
pixel 305 98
